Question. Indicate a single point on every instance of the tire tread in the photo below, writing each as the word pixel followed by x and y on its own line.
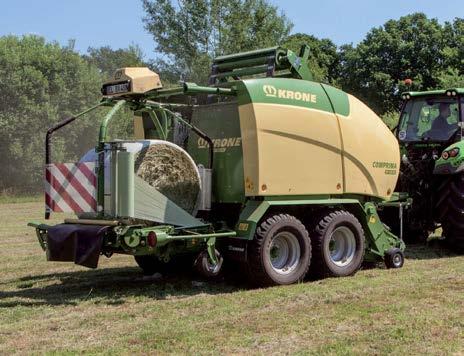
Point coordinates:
pixel 319 268
pixel 450 208
pixel 256 269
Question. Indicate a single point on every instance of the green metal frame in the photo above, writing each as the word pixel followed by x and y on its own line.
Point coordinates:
pixel 157 112
pixel 100 150
pixel 255 209
pixel 132 239
pixel 379 238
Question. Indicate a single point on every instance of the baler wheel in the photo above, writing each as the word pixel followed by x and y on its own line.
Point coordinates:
pixel 450 210
pixel 394 258
pixel 280 252
pixel 338 245
pixel 149 264
pixel 204 266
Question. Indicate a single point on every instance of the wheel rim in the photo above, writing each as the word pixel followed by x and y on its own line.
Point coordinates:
pixel 397 259
pixel 284 253
pixel 213 268
pixel 342 246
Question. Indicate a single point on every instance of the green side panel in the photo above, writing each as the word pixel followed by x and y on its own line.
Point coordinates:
pixel 378 239
pixel 125 184
pixel 339 100
pixel 137 199
pixel 451 165
pixel 221 123
pixel 254 210
pixel 292 92
pixel 152 205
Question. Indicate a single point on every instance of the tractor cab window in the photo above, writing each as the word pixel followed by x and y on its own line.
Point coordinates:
pixel 429 119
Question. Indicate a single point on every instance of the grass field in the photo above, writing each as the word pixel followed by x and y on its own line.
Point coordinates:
pixel 63 308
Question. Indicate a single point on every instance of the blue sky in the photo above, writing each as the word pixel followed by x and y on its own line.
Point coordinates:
pixel 118 23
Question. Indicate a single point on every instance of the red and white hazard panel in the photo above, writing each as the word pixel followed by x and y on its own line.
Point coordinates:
pixel 71 187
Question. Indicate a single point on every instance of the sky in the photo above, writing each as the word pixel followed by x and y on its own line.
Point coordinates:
pixel 118 23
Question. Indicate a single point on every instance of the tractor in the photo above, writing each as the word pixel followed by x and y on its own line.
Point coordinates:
pixel 430 133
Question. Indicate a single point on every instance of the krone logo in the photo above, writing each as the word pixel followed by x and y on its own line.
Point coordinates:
pixel 270 90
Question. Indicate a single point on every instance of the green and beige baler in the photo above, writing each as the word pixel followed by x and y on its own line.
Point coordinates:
pixel 263 168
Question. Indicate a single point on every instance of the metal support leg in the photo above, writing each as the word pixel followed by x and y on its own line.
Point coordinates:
pixel 211 246
pixel 401 221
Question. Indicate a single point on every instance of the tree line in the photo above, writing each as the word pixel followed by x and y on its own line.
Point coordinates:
pixel 42 82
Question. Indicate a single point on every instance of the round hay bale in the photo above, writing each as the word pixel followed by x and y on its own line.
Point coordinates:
pixel 171 171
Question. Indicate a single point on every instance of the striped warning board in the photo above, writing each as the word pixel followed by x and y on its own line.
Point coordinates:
pixel 71 187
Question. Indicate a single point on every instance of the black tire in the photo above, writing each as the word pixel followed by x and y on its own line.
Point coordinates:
pixel 267 261
pixel 150 264
pixel 394 258
pixel 349 233
pixel 204 267
pixel 450 209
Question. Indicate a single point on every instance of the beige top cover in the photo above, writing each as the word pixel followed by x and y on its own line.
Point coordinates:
pixel 295 150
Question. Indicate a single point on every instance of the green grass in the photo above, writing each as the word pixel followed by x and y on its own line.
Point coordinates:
pixel 62 308
pixel 14 199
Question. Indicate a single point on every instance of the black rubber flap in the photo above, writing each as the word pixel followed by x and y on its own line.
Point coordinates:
pixel 80 244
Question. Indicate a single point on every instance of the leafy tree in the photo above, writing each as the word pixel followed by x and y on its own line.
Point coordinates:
pixel 454 49
pixel 188 35
pixel 324 60
pixel 41 83
pixel 391 119
pixel 107 60
pixel 451 78
pixel 411 47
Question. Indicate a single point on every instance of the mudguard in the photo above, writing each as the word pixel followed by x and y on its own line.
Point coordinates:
pixel 379 238
pixel 81 244
pixel 451 160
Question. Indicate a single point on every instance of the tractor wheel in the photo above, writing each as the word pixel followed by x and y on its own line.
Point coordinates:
pixel 204 266
pixel 394 258
pixel 280 252
pixel 450 209
pixel 338 245
pixel 150 264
